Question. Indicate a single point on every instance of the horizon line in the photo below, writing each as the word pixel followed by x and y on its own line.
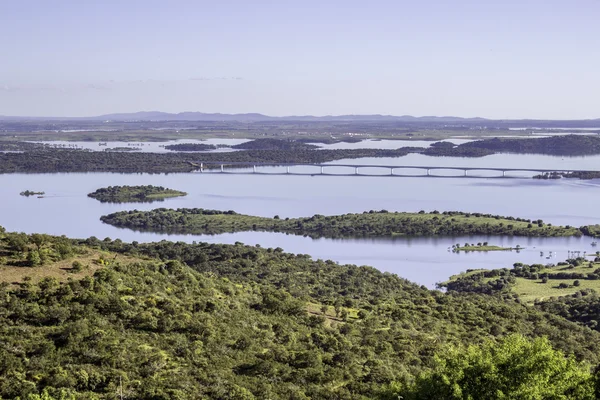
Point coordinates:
pixel 258 115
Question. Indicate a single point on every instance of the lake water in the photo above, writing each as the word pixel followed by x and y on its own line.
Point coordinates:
pixel 67 210
pixel 148 147
pixel 158 147
pixel 386 144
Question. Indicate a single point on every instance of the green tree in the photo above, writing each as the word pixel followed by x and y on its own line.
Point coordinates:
pixel 513 368
pixel 33 258
pixel 39 239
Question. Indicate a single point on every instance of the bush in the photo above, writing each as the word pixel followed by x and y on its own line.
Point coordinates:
pixel 77 266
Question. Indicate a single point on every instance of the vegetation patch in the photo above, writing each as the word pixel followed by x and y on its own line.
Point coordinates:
pixel 134 194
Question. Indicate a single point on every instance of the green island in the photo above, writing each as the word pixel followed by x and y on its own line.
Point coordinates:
pixel 134 194
pixel 482 247
pixel 28 193
pixel 371 223
pixel 94 319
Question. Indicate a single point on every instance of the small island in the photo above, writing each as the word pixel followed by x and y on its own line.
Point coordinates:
pixel 123 149
pixel 367 224
pixel 482 247
pixel 134 194
pixel 28 193
pixel 191 147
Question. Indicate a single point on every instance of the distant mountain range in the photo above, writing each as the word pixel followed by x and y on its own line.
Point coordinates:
pixel 255 117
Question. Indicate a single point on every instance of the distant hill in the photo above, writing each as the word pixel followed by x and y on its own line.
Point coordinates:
pixel 253 117
pixel 256 117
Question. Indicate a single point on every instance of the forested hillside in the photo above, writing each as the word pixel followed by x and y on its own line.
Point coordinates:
pixel 178 321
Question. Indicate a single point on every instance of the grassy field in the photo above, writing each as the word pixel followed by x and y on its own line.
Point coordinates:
pixel 91 260
pixel 530 290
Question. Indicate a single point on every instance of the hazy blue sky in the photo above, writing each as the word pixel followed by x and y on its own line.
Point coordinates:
pixel 497 59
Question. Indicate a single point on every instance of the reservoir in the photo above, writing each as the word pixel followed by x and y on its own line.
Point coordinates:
pixel 66 210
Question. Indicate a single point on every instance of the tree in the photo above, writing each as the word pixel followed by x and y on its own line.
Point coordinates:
pixel 513 368
pixel 39 239
pixel 33 258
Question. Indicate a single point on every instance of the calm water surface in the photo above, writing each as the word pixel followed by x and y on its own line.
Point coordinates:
pixel 146 147
pixel 386 144
pixel 67 210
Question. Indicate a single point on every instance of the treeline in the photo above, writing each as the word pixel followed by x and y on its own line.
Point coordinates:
pixel 177 321
pixel 449 150
pixel 134 194
pixel 569 175
pixel 567 145
pixel 274 144
pixel 190 147
pixel 62 160
pixel 372 223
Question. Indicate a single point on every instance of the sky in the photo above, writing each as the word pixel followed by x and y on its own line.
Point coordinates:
pixel 493 59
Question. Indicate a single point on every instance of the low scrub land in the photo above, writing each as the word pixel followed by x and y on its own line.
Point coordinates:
pixel 134 194
pixel 372 223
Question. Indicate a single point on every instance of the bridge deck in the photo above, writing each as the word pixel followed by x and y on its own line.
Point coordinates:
pixel 391 167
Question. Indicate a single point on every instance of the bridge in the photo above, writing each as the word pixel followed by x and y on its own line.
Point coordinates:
pixel 358 170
